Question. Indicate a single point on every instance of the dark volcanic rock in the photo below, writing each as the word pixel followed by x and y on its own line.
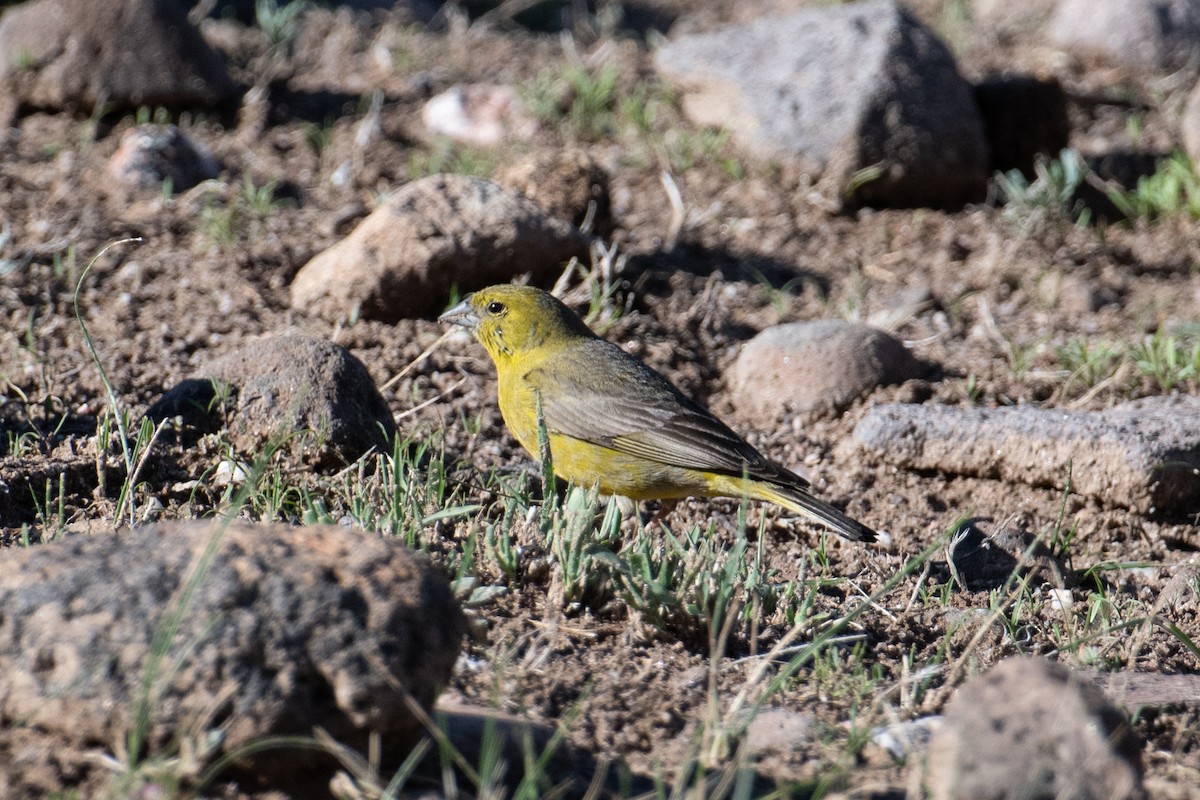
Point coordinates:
pixel 78 53
pixel 285 629
pixel 310 397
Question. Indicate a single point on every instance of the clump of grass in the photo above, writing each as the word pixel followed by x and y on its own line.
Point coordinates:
pixel 445 156
pixel 1173 190
pixel 583 99
pixel 1052 194
pixel 146 115
pixel 243 215
pixel 599 285
pixel 692 586
pixel 1088 363
pixel 135 449
pixel 591 104
pixel 279 21
pixel 1023 356
pixel 972 391
pixel 1169 361
pixel 318 137
pixel 685 149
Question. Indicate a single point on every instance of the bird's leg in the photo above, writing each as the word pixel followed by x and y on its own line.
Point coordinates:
pixel 631 511
pixel 627 506
pixel 665 507
pixel 549 484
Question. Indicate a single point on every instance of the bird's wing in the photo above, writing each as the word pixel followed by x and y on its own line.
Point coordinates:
pixel 612 399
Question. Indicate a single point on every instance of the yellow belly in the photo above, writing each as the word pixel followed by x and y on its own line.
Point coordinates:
pixel 587 464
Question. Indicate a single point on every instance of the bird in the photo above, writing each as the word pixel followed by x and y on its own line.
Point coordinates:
pixel 613 422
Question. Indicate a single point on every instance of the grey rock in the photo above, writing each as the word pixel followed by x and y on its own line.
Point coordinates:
pixel 1143 455
pixel 77 53
pixel 863 91
pixel 311 397
pixel 1142 33
pixel 1029 729
pixel 778 729
pixel 803 367
pixel 1134 690
pixel 482 733
pixel 902 740
pixel 982 556
pixel 150 155
pixel 433 234
pixel 287 629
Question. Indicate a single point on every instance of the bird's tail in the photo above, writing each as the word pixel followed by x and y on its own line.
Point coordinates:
pixel 799 500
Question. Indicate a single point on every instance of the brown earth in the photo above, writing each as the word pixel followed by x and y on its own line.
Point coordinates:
pixel 995 295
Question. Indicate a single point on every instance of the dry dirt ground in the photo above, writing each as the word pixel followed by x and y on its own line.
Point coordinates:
pixel 987 295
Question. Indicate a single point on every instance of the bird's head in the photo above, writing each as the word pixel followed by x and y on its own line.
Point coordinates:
pixel 510 321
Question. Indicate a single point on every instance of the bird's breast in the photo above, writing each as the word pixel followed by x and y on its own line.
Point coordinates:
pixel 518 405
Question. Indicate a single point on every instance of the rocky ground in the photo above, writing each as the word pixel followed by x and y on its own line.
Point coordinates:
pixel 1034 324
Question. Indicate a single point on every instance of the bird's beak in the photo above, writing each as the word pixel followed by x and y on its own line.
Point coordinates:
pixel 463 314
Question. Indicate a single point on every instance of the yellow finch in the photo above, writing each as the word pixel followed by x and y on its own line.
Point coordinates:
pixel 612 421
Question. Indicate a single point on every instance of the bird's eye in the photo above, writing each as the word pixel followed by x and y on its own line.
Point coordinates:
pixel 495 307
